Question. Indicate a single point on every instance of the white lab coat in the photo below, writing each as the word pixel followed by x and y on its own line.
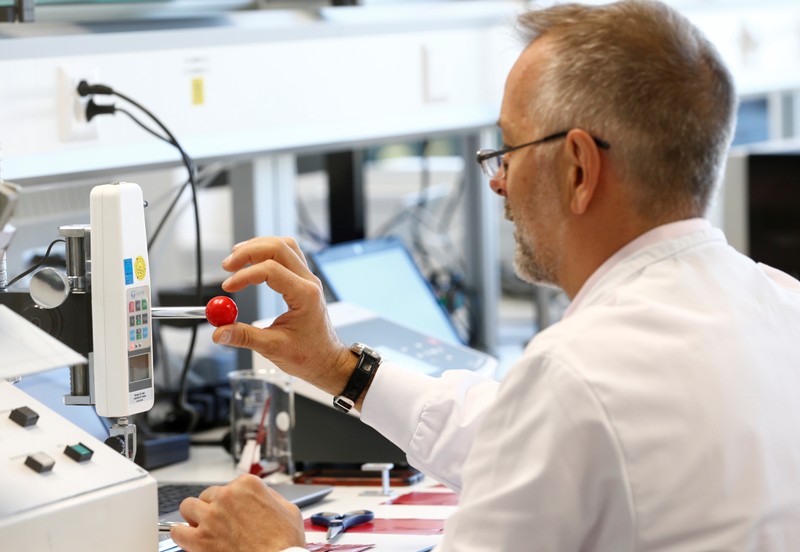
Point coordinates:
pixel 661 414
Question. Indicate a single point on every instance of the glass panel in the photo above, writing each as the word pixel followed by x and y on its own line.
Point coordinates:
pixel 752 124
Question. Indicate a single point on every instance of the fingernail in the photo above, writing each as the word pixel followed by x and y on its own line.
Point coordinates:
pixel 226 282
pixel 224 338
pixel 226 259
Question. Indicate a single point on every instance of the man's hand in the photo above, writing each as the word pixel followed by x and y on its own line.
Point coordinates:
pixel 243 515
pixel 302 341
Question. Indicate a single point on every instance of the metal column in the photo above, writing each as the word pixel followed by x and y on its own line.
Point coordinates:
pixel 263 205
pixel 481 246
pixel 346 209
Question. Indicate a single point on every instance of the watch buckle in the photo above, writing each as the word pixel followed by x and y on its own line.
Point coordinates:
pixel 343 403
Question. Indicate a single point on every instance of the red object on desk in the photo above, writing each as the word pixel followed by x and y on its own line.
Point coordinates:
pixel 425 499
pixel 391 526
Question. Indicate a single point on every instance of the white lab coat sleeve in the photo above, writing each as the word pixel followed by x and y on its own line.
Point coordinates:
pixel 545 472
pixel 433 420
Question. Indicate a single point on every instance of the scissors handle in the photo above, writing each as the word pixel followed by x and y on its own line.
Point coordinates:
pixel 323 519
pixel 338 523
pixel 356 517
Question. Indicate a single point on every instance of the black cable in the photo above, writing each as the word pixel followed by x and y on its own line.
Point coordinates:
pixel 167 214
pixel 440 222
pixel 421 205
pixel 450 207
pixel 36 265
pixel 208 180
pixel 142 125
pixel 86 89
pixel 307 224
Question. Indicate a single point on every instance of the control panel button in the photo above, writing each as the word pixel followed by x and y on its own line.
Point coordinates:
pixel 40 462
pixel 24 416
pixel 79 452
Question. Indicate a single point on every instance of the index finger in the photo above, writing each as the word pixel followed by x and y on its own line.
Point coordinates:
pixel 285 251
pixel 192 509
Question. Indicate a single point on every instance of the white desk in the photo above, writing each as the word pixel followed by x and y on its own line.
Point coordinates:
pixel 214 464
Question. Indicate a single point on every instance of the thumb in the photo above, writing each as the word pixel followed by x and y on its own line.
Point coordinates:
pixel 237 335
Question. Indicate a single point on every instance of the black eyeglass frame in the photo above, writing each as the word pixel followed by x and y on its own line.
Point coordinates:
pixel 484 155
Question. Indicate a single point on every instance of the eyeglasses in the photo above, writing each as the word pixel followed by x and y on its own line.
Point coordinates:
pixel 491 161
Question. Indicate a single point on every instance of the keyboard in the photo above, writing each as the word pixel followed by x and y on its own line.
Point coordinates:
pixel 171 495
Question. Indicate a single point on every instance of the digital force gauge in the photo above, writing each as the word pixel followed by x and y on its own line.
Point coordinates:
pixel 121 325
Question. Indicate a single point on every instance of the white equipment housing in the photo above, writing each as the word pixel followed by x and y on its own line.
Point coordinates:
pixel 122 359
pixel 104 503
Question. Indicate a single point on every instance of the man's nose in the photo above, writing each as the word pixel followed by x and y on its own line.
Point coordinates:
pixel 498 185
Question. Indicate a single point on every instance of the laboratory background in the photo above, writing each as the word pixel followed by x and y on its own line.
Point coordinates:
pixel 351 125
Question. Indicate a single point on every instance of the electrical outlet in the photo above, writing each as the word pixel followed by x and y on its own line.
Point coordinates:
pixel 72 124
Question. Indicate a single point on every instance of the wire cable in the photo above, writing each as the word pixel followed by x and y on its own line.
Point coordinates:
pixel 86 89
pixel 36 265
pixel 142 125
pixel 167 214
pixel 205 177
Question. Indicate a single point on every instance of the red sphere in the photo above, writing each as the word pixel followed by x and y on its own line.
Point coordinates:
pixel 221 311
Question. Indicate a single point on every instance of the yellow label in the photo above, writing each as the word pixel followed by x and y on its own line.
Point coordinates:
pixel 198 91
pixel 140 268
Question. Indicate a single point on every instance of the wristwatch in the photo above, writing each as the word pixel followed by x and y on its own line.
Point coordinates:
pixel 368 362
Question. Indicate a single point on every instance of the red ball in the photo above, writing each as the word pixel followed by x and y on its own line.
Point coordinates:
pixel 221 311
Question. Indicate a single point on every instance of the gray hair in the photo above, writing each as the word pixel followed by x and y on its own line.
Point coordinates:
pixel 640 76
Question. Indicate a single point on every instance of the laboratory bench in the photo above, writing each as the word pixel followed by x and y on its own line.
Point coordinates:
pixel 410 521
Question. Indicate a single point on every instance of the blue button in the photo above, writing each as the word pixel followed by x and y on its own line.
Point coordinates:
pixel 128 264
pixel 144 332
pixel 133 335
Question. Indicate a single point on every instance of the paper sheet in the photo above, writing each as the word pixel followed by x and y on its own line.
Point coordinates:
pixel 26 349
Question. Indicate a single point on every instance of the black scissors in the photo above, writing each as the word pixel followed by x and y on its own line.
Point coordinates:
pixel 339 523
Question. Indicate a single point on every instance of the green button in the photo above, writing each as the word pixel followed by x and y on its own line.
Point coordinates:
pixel 79 452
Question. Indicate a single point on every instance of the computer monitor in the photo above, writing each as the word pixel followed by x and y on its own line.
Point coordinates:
pixel 774 197
pixel 380 275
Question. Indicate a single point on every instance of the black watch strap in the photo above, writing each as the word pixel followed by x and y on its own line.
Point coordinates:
pixel 368 362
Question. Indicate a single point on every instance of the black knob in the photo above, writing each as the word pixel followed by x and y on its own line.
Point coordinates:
pixel 116 442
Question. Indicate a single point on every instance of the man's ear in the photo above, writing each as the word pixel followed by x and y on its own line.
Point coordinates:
pixel 583 158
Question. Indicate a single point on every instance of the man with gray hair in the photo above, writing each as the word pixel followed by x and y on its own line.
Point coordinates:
pixel 663 411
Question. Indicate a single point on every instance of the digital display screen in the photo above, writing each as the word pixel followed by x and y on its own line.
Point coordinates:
pixel 139 367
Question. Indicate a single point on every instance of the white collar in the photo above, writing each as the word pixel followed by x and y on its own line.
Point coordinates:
pixel 656 235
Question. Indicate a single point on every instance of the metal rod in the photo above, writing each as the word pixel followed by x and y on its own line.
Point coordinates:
pixel 3 271
pixel 79 380
pixel 77 238
pixel 178 312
